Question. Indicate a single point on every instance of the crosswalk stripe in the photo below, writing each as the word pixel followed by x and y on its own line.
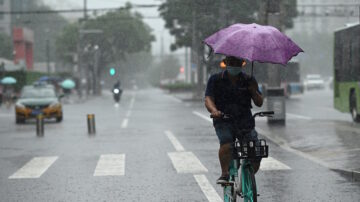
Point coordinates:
pixel 186 162
pixel 125 123
pixel 174 141
pixel 207 189
pixel 110 165
pixel 34 168
pixel 272 164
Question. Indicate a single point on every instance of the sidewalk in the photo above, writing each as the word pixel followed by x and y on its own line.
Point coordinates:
pixel 331 143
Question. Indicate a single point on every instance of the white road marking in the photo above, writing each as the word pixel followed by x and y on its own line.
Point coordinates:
pixel 128 114
pixel 174 141
pixel 125 123
pixel 299 116
pixel 207 189
pixel 110 165
pixel 272 164
pixel 202 116
pixel 186 162
pixel 132 102
pixel 34 168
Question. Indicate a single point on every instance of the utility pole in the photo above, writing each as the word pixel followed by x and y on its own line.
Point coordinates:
pixel 47 57
pixel 271 16
pixel 81 68
pixel 193 46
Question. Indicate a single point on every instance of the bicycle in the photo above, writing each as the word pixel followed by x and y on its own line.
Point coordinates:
pixel 245 187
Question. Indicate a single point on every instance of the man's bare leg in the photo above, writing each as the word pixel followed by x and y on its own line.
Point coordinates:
pixel 225 158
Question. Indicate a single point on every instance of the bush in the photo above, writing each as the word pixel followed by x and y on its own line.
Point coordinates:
pixel 26 77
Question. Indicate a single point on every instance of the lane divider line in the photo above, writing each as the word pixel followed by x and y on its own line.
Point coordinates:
pixel 125 123
pixel 202 116
pixel 110 165
pixel 128 114
pixel 175 142
pixel 299 116
pixel 132 102
pixel 271 163
pixel 186 162
pixel 34 168
pixel 207 189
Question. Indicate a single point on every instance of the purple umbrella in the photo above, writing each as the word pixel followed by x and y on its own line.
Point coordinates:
pixel 254 42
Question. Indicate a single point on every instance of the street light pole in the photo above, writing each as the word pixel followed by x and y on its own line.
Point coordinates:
pixel 47 57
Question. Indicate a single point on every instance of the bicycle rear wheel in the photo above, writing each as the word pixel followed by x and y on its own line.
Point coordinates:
pixel 248 183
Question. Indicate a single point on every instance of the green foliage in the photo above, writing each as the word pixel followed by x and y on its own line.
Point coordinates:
pixel 24 77
pixel 6 47
pixel 124 34
pixel 66 43
pixel 210 16
pixel 206 14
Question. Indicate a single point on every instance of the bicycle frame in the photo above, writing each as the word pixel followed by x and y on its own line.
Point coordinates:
pixel 237 186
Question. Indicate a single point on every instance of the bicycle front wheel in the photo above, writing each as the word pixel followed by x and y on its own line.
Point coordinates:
pixel 248 183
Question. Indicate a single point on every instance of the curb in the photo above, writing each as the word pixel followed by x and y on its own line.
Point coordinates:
pixel 351 174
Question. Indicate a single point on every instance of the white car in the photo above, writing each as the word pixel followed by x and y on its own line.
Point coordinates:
pixel 314 81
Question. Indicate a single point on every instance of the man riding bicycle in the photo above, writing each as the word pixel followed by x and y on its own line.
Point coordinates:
pixel 230 92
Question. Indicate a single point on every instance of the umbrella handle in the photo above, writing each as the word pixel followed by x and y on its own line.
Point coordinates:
pixel 252 68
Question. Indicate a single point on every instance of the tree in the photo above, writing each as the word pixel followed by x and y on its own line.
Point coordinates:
pixel 6 47
pixel 210 16
pixel 66 43
pixel 123 34
pixel 191 21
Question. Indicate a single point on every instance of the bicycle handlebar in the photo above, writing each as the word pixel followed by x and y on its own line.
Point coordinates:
pixel 260 114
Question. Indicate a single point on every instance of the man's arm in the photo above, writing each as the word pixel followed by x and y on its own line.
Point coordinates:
pixel 211 107
pixel 255 95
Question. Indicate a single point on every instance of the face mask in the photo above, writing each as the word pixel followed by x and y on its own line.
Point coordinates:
pixel 233 71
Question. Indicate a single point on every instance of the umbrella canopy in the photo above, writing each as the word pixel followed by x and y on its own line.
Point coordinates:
pixel 8 80
pixel 68 84
pixel 49 78
pixel 43 78
pixel 254 42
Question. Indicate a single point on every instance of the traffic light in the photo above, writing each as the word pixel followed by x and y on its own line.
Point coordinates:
pixel 112 71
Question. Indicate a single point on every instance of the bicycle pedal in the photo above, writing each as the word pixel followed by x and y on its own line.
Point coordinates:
pixel 227 184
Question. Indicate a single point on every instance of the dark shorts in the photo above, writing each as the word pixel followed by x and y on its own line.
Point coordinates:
pixel 225 134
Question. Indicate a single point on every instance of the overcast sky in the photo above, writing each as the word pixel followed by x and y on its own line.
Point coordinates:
pixel 156 24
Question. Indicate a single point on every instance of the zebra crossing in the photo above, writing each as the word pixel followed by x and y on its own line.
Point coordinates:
pixel 114 165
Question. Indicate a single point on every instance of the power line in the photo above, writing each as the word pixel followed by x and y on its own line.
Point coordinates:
pixel 80 10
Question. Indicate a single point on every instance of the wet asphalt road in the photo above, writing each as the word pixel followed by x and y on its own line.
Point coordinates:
pixel 161 150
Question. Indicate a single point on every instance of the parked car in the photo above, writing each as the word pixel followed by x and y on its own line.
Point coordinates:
pixel 314 81
pixel 38 99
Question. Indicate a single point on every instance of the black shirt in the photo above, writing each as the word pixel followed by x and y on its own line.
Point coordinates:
pixel 232 99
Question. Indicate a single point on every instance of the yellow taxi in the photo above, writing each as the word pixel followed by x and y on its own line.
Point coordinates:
pixel 36 100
